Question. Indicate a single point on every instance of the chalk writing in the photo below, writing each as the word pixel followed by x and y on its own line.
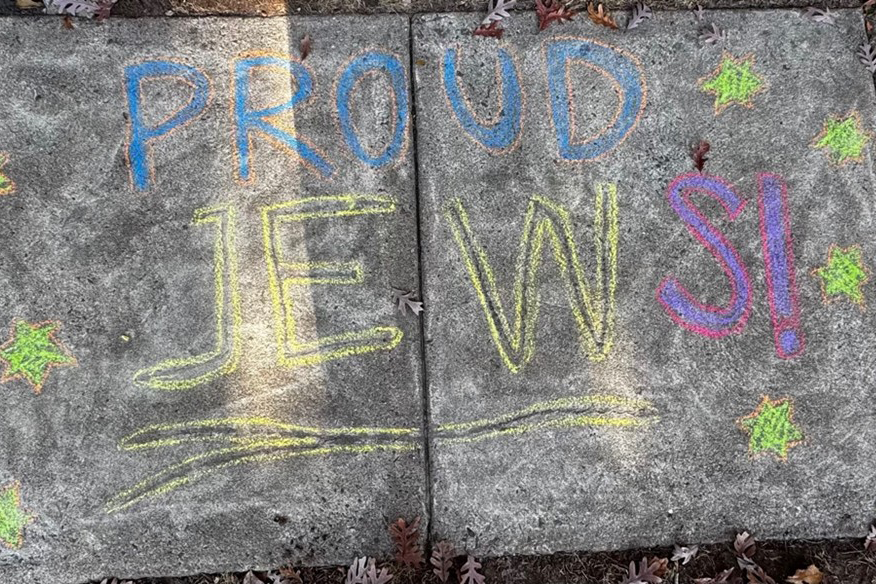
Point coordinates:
pixel 778 253
pixel 352 75
pixel 844 275
pixel 261 440
pixel 679 304
pixel 13 517
pixel 31 352
pixel 291 351
pixel 6 185
pixel 592 306
pixel 189 372
pixel 624 72
pixel 771 428
pixel 843 139
pixel 139 135
pixel 733 82
pixel 247 121
pixel 502 134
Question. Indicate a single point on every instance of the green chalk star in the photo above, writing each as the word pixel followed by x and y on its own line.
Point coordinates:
pixel 771 428
pixel 844 274
pixel 31 351
pixel 843 139
pixel 13 517
pixel 733 81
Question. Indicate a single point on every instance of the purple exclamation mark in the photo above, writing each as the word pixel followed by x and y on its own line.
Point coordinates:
pixel 778 254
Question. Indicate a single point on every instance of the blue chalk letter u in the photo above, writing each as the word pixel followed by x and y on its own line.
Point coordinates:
pixel 628 78
pixel 138 147
pixel 502 134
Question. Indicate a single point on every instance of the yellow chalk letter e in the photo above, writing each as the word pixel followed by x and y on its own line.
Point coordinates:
pixel 284 275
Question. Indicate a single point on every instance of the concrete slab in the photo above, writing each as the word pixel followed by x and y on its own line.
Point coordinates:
pixel 622 351
pixel 204 369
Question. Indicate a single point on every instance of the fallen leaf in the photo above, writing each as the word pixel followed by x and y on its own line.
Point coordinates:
pixel 641 13
pixel 686 554
pixel 745 547
pixel 498 10
pixel 817 15
pixel 442 560
pixel 377 578
pixel 491 30
pixel 469 573
pixel 870 542
pixel 251 578
pixel 713 36
pixel 756 575
pixel 551 11
pixel 358 572
pixel 726 577
pixel 648 572
pixel 811 575
pixel 406 301
pixel 867 57
pixel 304 46
pixel 601 16
pixel 698 154
pixel 68 22
pixel 407 537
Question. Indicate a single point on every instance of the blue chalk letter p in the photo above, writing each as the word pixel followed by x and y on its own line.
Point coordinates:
pixel 141 135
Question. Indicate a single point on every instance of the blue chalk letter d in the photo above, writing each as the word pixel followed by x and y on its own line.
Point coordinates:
pixel 141 135
pixel 625 74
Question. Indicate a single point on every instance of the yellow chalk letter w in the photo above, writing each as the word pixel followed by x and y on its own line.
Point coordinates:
pixel 592 306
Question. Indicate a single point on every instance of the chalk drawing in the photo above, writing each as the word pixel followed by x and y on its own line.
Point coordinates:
pixel 139 135
pixel 247 121
pixel 844 275
pixel 501 134
pixel 261 440
pixel 190 372
pixel 679 304
pixel 771 428
pixel 7 187
pixel 291 351
pixel 593 306
pixel 733 82
pixel 626 76
pixel 32 351
pixel 778 253
pixel 13 517
pixel 843 139
pixel 352 74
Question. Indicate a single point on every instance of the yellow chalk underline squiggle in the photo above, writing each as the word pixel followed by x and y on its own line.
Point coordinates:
pixel 256 440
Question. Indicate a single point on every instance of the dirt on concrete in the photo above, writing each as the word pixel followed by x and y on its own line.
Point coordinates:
pixel 135 8
pixel 842 562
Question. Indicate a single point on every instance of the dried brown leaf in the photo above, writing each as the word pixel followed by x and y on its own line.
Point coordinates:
pixel 67 22
pixel 745 547
pixel 491 30
pixel 811 575
pixel 648 572
pixel 469 573
pixel 600 16
pixel 552 11
pixel 726 577
pixel 681 553
pixel 698 154
pixel 304 46
pixel 405 300
pixel 442 560
pixel 407 542
pixel 756 575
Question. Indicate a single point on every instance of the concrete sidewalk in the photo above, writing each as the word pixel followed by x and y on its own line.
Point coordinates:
pixel 205 369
